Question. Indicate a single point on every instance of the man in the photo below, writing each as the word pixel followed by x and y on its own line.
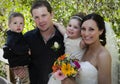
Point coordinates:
pixel 41 41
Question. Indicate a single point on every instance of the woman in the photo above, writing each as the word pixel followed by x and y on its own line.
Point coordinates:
pixel 96 62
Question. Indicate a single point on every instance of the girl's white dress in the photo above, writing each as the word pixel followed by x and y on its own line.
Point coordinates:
pixel 72 47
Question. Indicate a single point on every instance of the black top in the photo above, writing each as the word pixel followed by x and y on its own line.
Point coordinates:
pixel 16 49
pixel 43 55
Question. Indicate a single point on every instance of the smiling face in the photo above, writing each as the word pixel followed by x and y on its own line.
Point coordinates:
pixel 16 24
pixel 42 18
pixel 90 32
pixel 73 29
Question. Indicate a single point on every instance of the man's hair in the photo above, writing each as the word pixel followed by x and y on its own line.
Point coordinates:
pixel 13 15
pixel 41 3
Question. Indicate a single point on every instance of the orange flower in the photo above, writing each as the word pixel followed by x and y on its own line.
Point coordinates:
pixel 62 57
pixel 55 68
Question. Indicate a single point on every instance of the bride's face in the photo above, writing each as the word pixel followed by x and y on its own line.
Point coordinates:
pixel 90 32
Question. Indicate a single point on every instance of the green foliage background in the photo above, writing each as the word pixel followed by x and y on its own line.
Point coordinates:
pixel 63 9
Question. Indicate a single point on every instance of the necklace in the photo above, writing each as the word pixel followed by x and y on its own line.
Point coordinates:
pixel 49 37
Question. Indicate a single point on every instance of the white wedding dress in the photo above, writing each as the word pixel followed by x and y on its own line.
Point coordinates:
pixel 88 73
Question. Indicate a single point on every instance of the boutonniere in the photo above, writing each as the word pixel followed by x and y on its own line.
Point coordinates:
pixel 55 46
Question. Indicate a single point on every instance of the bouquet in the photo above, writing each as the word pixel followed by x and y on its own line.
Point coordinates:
pixel 65 67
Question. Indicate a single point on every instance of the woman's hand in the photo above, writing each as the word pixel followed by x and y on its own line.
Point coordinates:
pixel 68 81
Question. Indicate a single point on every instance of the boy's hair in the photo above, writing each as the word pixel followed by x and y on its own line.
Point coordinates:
pixel 41 3
pixel 14 14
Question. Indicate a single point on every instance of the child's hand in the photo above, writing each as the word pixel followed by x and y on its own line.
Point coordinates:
pixel 60 27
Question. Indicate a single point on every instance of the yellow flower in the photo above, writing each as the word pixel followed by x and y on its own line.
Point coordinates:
pixel 66 69
pixel 73 71
pixel 67 55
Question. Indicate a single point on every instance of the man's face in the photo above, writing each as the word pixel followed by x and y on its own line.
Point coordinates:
pixel 42 18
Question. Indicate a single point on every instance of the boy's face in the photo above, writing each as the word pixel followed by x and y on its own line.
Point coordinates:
pixel 16 24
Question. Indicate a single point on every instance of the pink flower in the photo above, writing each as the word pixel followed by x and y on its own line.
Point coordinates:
pixel 77 64
pixel 59 75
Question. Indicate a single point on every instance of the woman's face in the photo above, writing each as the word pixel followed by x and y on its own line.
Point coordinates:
pixel 90 32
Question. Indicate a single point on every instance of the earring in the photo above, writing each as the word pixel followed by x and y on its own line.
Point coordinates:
pixel 101 40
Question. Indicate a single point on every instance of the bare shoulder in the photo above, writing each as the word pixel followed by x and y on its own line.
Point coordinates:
pixel 104 55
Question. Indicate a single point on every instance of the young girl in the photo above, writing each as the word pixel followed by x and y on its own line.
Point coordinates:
pixel 74 45
pixel 16 49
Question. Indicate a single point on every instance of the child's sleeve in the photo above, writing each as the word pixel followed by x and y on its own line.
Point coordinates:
pixel 7 52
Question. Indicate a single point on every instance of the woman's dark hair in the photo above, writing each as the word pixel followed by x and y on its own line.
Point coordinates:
pixel 100 23
pixel 41 3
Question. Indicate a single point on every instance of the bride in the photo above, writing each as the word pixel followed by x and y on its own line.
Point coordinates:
pixel 96 62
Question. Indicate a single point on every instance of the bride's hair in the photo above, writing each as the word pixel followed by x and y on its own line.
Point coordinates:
pixel 100 23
